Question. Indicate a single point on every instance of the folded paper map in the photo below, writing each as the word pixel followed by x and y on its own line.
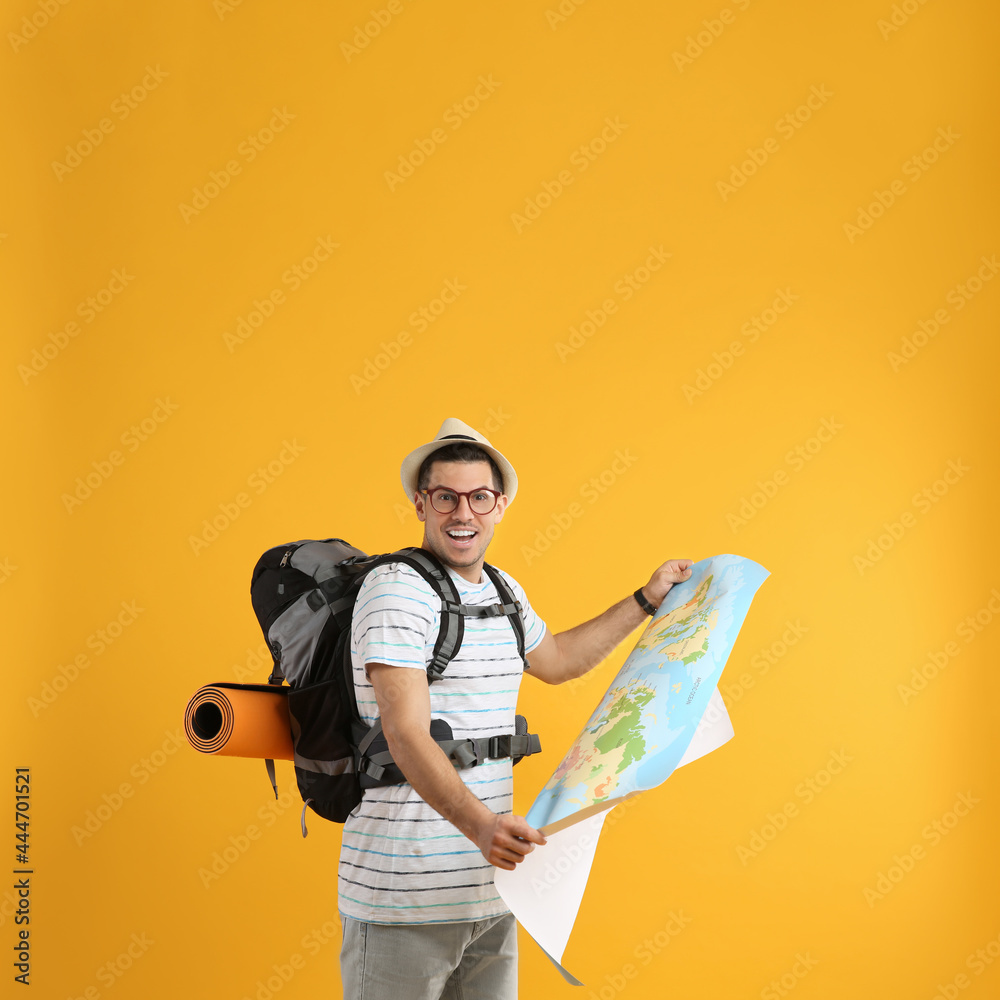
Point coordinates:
pixel 662 710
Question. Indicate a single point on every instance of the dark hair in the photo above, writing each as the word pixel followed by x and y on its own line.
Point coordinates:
pixel 461 451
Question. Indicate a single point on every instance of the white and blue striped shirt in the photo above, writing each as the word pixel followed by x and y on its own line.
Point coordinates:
pixel 400 860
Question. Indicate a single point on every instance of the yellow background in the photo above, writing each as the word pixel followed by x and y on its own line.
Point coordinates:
pixel 213 77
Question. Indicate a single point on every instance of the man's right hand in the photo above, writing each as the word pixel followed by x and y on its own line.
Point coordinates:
pixel 505 840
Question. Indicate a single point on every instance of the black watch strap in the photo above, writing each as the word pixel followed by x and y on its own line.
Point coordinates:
pixel 643 603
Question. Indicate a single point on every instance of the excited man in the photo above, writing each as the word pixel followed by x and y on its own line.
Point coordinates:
pixel 422 919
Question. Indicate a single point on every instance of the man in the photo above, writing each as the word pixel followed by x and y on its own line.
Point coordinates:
pixel 422 919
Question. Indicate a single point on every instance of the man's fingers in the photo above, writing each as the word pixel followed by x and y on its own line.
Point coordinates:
pixel 521 829
pixel 515 848
pixel 511 839
pixel 678 569
pixel 526 844
pixel 508 860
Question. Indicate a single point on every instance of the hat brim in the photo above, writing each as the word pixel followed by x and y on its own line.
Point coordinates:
pixel 413 461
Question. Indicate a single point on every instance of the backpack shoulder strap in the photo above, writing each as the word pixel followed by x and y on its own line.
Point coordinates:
pixel 453 612
pixel 452 629
pixel 510 607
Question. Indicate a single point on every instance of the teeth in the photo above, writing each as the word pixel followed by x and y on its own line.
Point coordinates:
pixel 461 534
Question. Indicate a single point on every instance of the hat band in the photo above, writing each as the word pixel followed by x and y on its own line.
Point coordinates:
pixel 452 437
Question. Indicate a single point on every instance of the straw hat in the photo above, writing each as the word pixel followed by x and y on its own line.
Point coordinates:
pixel 454 430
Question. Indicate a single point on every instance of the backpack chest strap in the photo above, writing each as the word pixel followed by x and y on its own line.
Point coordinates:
pixel 482 610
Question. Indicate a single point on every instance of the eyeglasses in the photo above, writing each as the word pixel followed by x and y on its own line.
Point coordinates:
pixel 445 500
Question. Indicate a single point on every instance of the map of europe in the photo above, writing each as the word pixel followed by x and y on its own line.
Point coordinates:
pixel 639 731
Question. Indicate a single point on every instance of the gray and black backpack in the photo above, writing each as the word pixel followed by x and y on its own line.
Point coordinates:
pixel 303 594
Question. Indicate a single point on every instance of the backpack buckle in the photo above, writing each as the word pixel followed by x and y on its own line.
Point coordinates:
pixel 469 753
pixel 499 747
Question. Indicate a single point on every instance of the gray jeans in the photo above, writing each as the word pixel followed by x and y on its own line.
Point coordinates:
pixel 471 960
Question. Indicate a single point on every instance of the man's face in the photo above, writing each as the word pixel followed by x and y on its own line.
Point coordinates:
pixel 447 535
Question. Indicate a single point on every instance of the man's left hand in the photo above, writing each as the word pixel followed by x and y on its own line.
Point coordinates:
pixel 671 572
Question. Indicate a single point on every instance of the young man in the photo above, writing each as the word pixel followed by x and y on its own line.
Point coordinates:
pixel 422 919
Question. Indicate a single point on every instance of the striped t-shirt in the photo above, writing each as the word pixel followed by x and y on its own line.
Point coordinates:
pixel 400 860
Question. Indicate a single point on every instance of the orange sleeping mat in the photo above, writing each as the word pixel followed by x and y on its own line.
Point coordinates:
pixel 240 720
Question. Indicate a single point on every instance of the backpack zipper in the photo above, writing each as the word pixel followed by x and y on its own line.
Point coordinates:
pixel 282 565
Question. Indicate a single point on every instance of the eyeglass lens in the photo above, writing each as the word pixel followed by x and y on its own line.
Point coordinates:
pixel 446 501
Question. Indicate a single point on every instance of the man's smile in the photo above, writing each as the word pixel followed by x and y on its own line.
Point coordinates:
pixel 461 537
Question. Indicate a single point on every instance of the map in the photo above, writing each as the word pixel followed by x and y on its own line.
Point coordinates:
pixel 646 720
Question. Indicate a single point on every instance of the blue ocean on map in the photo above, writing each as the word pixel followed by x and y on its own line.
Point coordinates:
pixel 643 725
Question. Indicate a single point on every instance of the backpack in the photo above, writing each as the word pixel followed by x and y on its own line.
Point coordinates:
pixel 303 594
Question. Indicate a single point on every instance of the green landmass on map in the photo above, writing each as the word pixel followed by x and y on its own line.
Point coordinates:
pixel 605 749
pixel 643 726
pixel 682 635
pixel 616 739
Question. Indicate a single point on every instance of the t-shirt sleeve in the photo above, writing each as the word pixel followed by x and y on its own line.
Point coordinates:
pixel 393 616
pixel 534 627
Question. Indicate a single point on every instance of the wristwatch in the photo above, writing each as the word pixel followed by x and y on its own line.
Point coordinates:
pixel 643 603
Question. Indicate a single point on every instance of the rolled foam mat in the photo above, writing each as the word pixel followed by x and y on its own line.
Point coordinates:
pixel 240 720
